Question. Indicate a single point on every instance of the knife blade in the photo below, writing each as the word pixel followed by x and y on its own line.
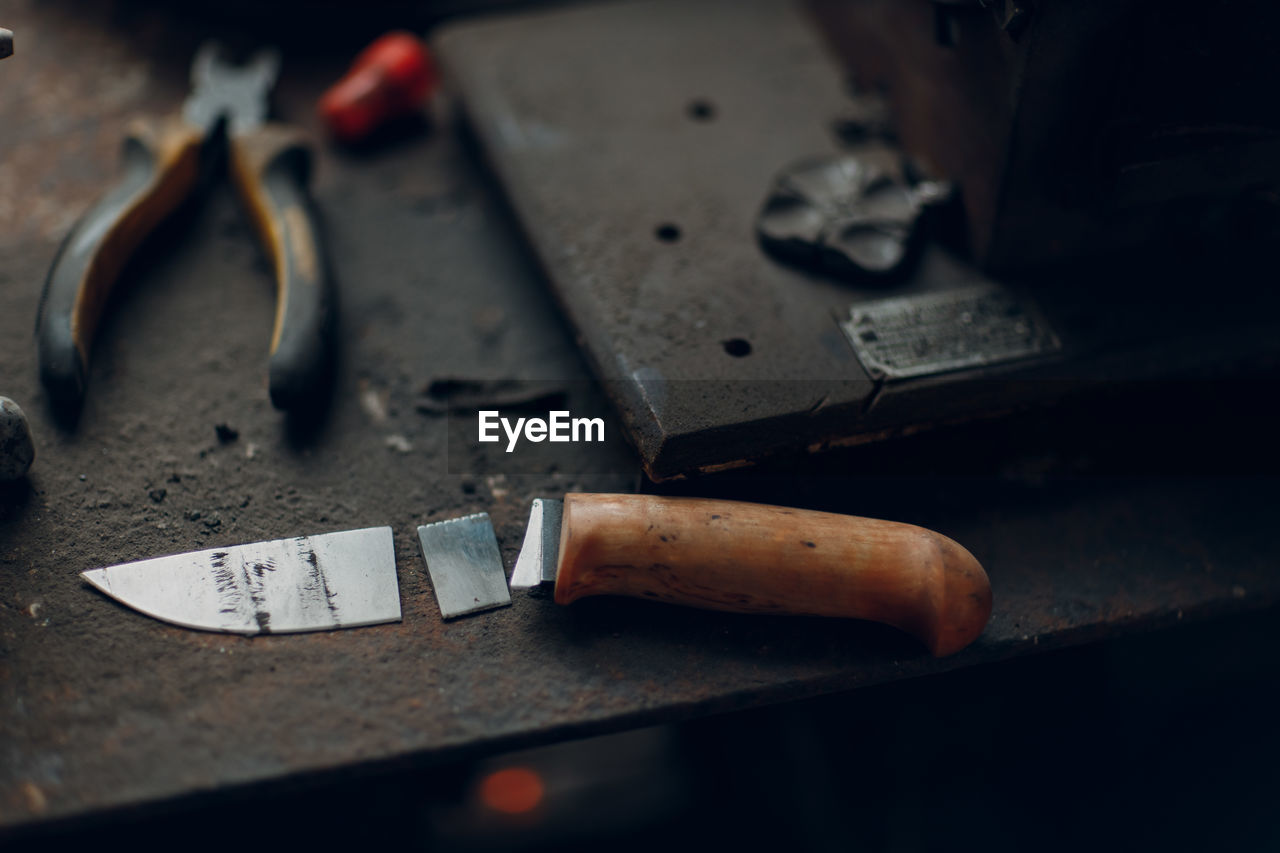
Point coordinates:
pixel 757 558
pixel 307 583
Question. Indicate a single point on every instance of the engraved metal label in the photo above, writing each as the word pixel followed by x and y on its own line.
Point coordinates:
pixel 910 336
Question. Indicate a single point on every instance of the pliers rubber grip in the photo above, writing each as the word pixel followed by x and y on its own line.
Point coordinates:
pixel 270 167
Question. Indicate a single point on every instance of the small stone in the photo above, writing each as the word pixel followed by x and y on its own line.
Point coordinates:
pixel 157 495
pixel 498 492
pixel 375 402
pixel 226 434
pixel 17 451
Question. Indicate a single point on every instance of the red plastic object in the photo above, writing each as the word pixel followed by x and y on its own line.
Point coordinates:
pixel 391 78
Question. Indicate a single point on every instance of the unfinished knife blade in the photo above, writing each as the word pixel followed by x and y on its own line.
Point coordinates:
pixel 307 583
pixel 465 565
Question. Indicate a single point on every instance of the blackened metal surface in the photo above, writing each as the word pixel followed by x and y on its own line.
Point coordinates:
pixel 637 161
pixel 102 710
pixel 846 216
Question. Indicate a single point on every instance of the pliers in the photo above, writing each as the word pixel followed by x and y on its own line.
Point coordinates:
pixel 164 159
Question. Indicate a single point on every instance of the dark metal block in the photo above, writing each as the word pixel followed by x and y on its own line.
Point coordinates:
pixel 637 162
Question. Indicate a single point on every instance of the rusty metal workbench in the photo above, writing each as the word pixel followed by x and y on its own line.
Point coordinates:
pixel 102 709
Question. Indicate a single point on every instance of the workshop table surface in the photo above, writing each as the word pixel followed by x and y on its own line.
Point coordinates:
pixel 102 708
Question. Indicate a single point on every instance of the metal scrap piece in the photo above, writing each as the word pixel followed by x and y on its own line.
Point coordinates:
pixel 465 565
pixel 851 215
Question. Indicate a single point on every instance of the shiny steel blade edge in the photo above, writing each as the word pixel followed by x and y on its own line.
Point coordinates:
pixel 308 583
pixel 528 570
pixel 536 565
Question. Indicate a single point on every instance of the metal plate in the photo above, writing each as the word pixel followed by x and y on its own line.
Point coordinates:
pixel 466 568
pixel 637 162
pixel 940 332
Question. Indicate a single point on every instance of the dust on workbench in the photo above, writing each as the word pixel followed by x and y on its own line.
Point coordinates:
pixel 178 447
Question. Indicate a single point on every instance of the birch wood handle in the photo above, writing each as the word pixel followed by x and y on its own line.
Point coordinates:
pixel 753 558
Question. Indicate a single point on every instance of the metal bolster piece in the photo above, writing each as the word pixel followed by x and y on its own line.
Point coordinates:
pixel 465 565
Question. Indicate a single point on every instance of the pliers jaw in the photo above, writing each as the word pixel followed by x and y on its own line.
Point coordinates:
pixel 224 91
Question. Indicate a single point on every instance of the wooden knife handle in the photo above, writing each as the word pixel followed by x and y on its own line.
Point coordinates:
pixel 754 558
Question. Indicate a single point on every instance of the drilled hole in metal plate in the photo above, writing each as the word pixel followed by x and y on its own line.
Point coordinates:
pixel 737 347
pixel 667 232
pixel 701 109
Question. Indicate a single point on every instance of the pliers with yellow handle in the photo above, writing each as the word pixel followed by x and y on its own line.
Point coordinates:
pixel 269 164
